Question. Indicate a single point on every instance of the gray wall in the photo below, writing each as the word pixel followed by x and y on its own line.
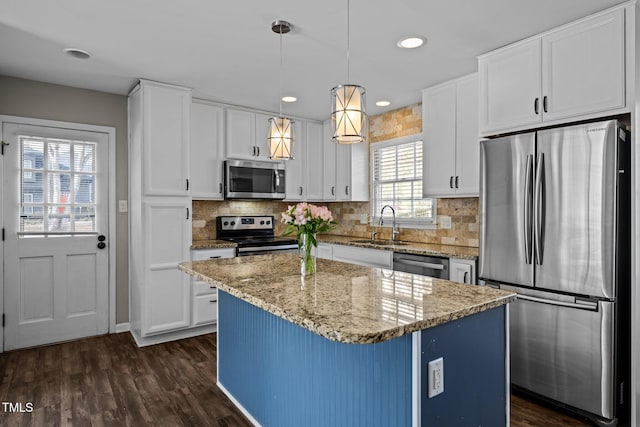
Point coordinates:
pixel 28 98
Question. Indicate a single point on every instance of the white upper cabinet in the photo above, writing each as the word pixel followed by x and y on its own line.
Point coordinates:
pixel 207 137
pixel 510 86
pixel 451 155
pixel 165 136
pixel 294 184
pixel 315 164
pixel 583 67
pixel 571 73
pixel 262 131
pixel 241 134
pixel 329 160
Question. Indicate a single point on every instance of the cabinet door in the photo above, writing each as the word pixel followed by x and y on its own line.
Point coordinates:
pixel 261 132
pixel 462 271
pixel 467 139
pixel 166 305
pixel 510 87
pixel 207 136
pixel 583 67
pixel 294 180
pixel 241 134
pixel 343 171
pixel 439 119
pixel 329 163
pixel 314 169
pixel 166 139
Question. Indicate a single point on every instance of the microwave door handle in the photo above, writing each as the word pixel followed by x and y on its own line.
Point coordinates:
pixel 277 180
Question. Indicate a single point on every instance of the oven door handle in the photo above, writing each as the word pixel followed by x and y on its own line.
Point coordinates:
pixel 430 265
pixel 266 248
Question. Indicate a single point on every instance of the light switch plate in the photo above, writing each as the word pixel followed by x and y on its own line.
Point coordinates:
pixel 123 206
pixel 445 222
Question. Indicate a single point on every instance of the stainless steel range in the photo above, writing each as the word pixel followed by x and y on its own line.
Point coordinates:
pixel 254 235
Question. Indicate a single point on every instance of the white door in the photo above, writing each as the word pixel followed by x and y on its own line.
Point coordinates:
pixel 55 209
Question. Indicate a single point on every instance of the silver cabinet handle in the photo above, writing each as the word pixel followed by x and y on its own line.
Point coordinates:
pixel 300 191
pixel 451 182
pixel 346 190
pixel 220 186
pixel 536 105
pixel 333 191
pixel 187 184
pixel 215 257
pixel 254 150
pixel 527 209
pixel 258 151
pixel 544 103
pixel 457 179
pixel 187 213
pixel 212 300
pixel 466 274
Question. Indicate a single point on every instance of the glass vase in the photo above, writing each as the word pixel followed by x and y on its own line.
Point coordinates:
pixel 307 260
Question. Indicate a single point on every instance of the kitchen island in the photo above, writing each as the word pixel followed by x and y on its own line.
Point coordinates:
pixel 350 345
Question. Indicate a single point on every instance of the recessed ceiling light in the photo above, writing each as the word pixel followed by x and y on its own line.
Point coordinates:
pixel 383 103
pixel 77 53
pixel 411 42
pixel 289 98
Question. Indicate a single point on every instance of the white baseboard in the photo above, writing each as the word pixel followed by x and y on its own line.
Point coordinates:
pixel 172 336
pixel 123 327
pixel 238 405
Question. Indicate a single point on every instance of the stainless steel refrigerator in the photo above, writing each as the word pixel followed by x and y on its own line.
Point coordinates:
pixel 554 227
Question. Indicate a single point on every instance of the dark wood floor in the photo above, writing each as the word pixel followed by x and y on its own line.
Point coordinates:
pixel 109 381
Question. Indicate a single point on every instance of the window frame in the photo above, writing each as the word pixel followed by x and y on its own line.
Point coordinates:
pixel 414 222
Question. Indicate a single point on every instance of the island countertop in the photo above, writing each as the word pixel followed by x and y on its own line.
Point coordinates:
pixel 345 302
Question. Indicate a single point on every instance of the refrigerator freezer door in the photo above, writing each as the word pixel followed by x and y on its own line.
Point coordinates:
pixel 506 175
pixel 563 352
pixel 576 210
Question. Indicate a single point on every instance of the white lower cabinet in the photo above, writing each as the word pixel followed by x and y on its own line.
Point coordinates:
pixel 363 256
pixel 324 250
pixel 205 295
pixel 462 271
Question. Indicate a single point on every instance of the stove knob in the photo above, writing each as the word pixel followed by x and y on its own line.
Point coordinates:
pixel 233 223
pixel 261 222
pixel 268 222
pixel 226 223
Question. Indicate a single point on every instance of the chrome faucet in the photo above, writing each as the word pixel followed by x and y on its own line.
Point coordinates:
pixel 394 229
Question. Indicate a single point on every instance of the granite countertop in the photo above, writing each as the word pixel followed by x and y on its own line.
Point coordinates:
pixel 463 252
pixel 345 302
pixel 212 244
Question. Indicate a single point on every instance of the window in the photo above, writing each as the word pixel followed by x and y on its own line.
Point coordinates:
pixel 397 181
pixel 57 186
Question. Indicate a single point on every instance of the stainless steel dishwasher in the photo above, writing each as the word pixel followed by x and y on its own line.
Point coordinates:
pixel 421 264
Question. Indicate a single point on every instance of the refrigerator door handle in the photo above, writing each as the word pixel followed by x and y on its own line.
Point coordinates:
pixel 539 209
pixel 580 304
pixel 527 209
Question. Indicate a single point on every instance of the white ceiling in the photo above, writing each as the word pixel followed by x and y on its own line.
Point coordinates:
pixel 226 51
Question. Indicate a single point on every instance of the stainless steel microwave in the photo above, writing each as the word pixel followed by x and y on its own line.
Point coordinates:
pixel 245 179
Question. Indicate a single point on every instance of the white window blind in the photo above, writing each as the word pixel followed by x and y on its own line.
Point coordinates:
pixel 397 181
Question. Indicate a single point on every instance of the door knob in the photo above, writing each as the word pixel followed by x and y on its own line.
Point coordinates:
pixel 102 245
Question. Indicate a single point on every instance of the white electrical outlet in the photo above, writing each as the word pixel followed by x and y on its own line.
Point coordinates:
pixel 436 377
pixel 445 222
pixel 122 206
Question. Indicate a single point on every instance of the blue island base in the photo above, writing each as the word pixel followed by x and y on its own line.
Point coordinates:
pixel 282 375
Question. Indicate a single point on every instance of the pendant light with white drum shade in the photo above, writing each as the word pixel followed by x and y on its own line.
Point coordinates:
pixel 281 134
pixel 348 115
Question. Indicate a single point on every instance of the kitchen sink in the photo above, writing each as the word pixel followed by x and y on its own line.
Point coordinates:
pixel 379 242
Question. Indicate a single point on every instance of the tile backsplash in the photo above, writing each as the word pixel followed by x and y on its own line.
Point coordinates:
pixel 463 212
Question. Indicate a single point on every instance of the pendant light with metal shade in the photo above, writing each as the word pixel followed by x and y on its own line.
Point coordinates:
pixel 281 134
pixel 348 115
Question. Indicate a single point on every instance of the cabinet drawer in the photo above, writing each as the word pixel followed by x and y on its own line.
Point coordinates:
pixel 204 288
pixel 204 254
pixel 205 309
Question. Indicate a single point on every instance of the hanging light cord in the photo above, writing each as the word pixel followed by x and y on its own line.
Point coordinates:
pixel 348 78
pixel 281 73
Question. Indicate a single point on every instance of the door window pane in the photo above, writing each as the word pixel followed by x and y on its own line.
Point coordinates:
pixel 58 181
